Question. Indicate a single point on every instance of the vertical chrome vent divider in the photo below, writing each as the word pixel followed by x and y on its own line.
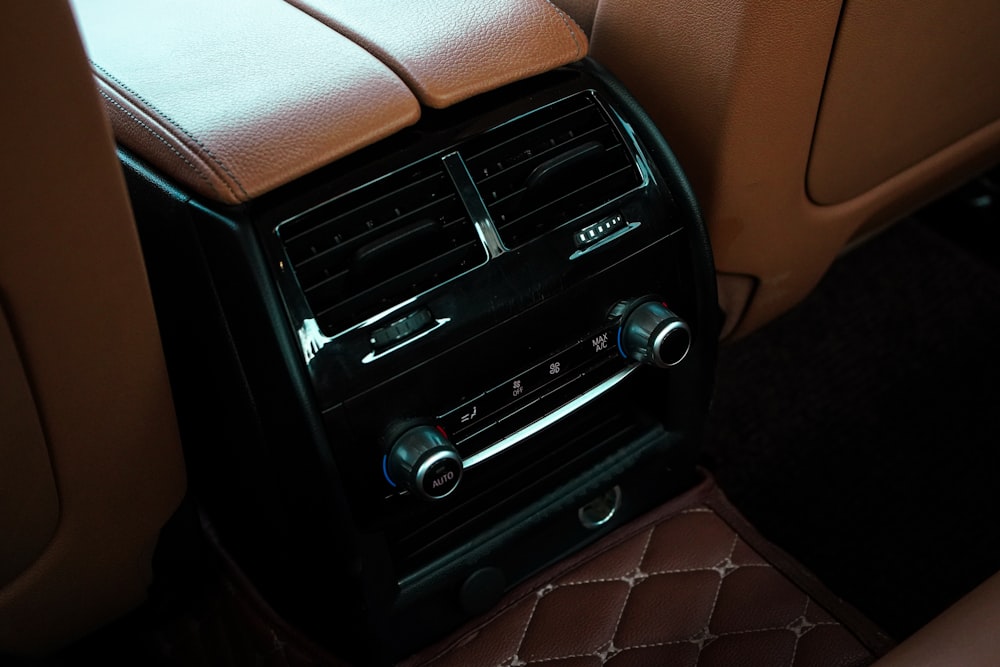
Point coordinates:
pixel 474 204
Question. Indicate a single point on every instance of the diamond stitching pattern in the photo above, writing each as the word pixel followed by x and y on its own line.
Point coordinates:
pixel 694 594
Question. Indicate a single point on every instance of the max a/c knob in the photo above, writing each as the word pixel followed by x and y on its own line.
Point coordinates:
pixel 424 461
pixel 654 335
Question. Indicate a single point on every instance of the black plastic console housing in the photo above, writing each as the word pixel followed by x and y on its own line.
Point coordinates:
pixel 467 274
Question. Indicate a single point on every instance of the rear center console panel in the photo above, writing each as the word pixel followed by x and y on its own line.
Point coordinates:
pixel 474 279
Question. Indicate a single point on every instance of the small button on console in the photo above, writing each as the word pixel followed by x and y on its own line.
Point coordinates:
pixel 601 345
pixel 471 414
pixel 550 370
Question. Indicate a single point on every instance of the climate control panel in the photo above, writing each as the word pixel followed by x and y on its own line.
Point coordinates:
pixel 427 460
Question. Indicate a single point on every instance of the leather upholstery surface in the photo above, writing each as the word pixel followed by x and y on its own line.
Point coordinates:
pixel 450 50
pixel 906 79
pixel 233 98
pixel 680 587
pixel 29 501
pixel 74 291
pixel 966 634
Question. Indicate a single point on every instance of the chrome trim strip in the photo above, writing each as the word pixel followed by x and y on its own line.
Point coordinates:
pixel 372 356
pixel 474 204
pixel 312 339
pixel 550 419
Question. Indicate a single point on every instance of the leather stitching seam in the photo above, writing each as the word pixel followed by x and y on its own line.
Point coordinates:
pixel 783 628
pixel 566 21
pixel 722 579
pixel 539 594
pixel 734 633
pixel 632 579
pixel 636 572
pixel 187 134
pixel 690 570
pixel 554 576
pixel 199 172
pixel 799 636
pixel 610 649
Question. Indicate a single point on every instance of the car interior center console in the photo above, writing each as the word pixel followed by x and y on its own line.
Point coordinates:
pixel 412 378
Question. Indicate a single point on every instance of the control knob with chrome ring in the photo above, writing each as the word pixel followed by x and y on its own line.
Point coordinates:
pixel 425 462
pixel 652 334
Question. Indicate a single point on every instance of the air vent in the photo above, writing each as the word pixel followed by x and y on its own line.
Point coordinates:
pixel 550 167
pixel 379 245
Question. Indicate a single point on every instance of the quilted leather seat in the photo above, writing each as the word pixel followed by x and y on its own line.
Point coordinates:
pixel 690 584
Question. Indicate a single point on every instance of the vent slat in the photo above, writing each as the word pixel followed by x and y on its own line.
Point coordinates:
pixel 502 163
pixel 589 196
pixel 542 137
pixel 390 239
pixel 502 184
pixel 384 210
pixel 435 211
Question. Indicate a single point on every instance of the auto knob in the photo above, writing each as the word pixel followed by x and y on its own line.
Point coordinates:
pixel 424 461
pixel 652 334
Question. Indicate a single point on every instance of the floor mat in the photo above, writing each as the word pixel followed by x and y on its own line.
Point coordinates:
pixel 859 431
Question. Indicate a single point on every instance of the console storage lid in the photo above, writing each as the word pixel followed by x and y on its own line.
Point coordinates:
pixel 233 98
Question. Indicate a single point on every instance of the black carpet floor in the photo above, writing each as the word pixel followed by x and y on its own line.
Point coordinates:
pixel 861 431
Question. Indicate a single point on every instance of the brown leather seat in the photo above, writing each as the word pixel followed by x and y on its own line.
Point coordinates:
pixel 801 130
pixel 91 461
pixel 967 634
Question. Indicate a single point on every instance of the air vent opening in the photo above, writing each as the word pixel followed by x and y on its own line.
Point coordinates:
pixel 382 244
pixel 549 167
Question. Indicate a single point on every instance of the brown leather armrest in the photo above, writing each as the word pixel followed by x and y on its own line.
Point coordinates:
pixel 967 634
pixel 232 98
pixel 451 50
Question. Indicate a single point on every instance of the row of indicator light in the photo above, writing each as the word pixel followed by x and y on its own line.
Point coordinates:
pixel 598 231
